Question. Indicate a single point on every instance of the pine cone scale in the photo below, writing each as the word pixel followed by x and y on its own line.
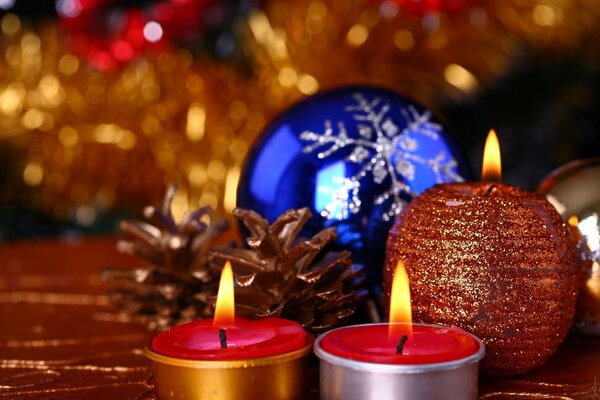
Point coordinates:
pixel 257 225
pixel 244 261
pixel 143 231
pixel 291 230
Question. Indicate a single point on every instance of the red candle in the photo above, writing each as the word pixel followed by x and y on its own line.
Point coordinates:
pixel 229 338
pixel 400 342
pixel 372 343
pixel 400 359
pixel 202 340
pixel 231 358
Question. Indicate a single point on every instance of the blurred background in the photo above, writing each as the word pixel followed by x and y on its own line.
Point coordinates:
pixel 102 103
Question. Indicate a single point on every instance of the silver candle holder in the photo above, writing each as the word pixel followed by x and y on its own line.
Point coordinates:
pixel 346 379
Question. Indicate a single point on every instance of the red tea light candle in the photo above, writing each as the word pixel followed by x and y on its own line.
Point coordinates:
pixel 490 258
pixel 398 360
pixel 230 357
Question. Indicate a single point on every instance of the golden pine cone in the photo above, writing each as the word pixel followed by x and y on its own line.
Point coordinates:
pixel 280 275
pixel 177 286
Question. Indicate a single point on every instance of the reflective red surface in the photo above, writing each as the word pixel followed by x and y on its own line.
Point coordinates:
pixel 61 339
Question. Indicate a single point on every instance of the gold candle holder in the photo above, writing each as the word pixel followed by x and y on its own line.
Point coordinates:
pixel 278 377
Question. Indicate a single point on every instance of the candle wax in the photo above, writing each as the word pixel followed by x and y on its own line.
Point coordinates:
pixel 428 344
pixel 246 339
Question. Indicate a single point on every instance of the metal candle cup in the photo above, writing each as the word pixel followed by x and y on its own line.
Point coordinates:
pixel 345 378
pixel 279 377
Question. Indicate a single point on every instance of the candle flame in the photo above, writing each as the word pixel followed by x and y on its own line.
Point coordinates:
pixel 400 303
pixel 491 171
pixel 225 308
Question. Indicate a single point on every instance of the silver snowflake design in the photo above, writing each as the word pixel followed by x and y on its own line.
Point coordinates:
pixel 384 151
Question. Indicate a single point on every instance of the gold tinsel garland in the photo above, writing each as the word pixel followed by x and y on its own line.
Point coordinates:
pixel 91 141
pixel 81 142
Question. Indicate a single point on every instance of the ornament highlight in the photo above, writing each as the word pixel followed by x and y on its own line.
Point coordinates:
pixel 355 156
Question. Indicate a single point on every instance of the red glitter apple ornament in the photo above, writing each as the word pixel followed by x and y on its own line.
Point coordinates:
pixel 493 259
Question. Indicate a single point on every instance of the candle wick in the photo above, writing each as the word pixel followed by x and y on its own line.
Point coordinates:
pixel 401 343
pixel 223 338
pixel 489 190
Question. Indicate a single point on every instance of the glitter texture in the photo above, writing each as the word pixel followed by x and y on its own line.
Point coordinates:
pixel 499 265
pixel 392 152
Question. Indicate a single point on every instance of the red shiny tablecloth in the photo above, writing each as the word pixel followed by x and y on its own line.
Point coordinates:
pixel 61 339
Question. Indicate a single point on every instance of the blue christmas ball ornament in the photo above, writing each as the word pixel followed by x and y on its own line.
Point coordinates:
pixel 355 156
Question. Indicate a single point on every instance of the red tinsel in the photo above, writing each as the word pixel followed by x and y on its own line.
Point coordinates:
pixel 420 8
pixel 107 34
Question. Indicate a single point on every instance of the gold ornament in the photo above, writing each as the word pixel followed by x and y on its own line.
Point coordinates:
pixel 574 191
